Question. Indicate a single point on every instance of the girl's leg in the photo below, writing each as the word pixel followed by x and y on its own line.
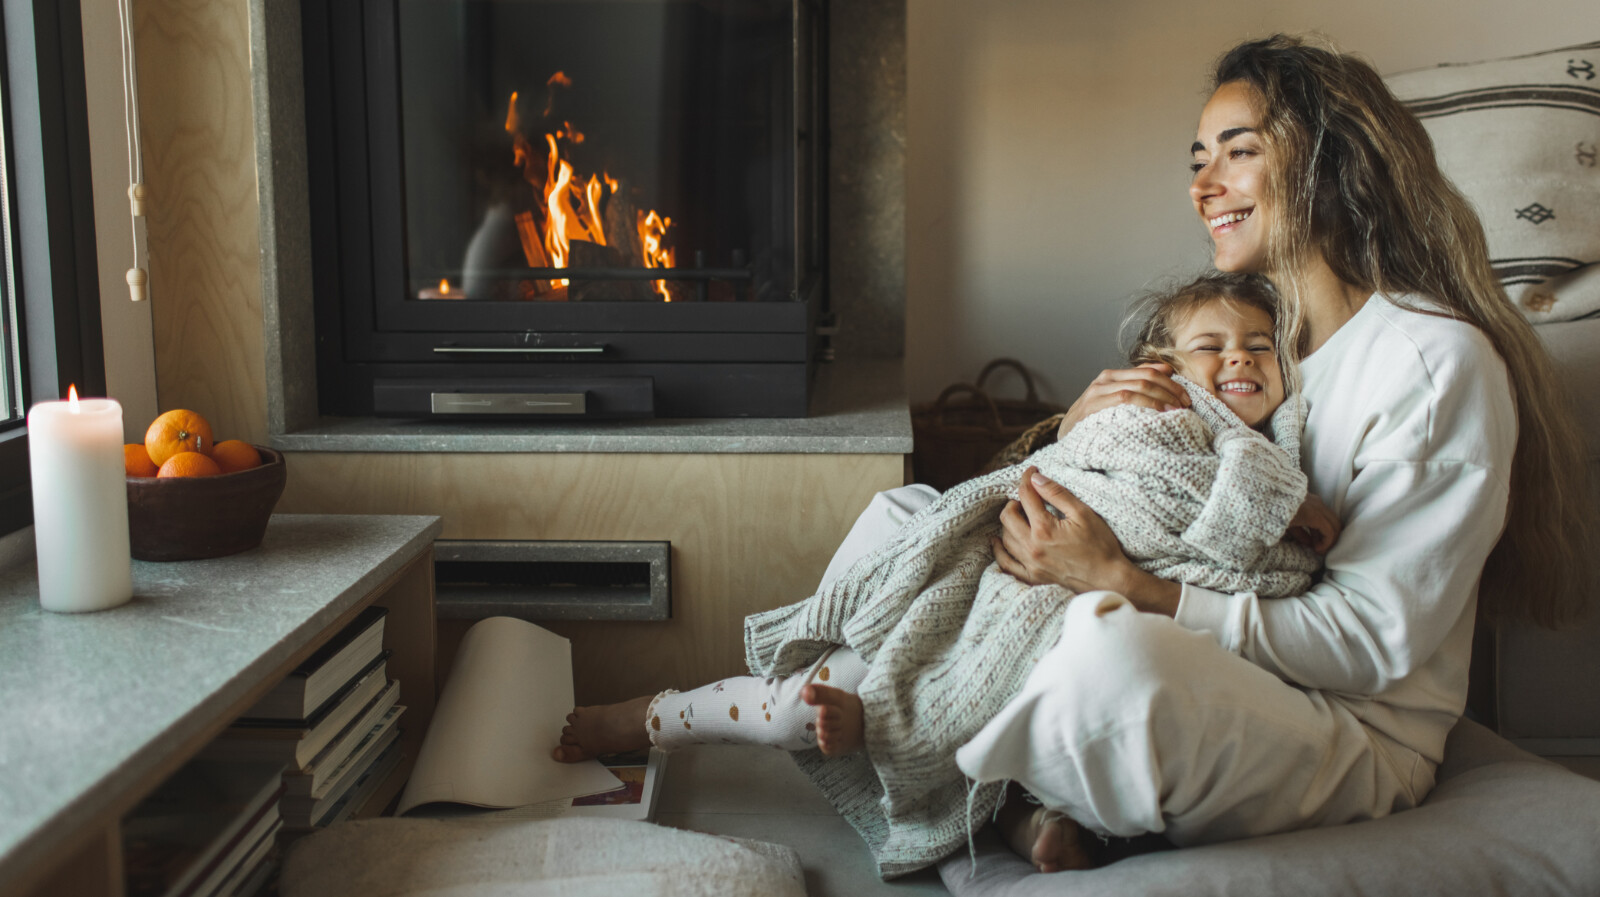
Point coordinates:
pixel 738 710
pixel 755 710
pixel 612 728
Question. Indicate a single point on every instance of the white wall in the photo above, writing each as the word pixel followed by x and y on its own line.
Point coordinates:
pixel 1048 144
pixel 125 325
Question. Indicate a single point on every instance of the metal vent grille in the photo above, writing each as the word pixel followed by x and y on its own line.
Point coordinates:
pixel 534 580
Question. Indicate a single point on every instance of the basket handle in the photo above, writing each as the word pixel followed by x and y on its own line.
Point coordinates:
pixel 956 389
pixel 1027 379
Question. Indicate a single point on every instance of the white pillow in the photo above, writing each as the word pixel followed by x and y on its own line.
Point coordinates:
pixel 533 858
pixel 1521 138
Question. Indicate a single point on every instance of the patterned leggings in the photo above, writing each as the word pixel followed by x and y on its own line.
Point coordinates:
pixel 751 709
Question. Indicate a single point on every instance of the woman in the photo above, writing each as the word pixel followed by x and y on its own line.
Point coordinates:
pixel 1438 433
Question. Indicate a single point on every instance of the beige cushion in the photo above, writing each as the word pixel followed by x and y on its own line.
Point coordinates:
pixel 1521 138
pixel 1500 823
pixel 556 857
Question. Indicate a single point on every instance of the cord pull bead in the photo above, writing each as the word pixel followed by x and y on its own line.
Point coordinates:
pixel 136 195
pixel 138 284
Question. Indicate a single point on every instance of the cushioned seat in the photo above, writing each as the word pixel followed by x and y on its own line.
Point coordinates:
pixel 540 858
pixel 1500 822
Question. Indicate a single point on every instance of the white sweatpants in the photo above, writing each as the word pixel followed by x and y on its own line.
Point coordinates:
pixel 1133 724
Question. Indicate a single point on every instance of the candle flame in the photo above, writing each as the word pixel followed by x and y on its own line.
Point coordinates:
pixel 72 398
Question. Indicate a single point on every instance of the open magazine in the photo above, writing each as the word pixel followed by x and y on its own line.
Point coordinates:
pixel 501 712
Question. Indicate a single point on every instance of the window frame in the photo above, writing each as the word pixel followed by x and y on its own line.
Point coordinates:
pixel 56 286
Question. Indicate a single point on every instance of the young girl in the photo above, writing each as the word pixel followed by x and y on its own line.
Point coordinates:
pixel 923 641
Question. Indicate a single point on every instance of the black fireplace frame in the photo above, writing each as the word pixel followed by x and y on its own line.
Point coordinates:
pixel 702 359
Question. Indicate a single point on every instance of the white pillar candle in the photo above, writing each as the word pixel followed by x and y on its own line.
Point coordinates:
pixel 80 504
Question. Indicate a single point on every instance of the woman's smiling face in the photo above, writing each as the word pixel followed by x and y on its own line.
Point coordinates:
pixel 1230 179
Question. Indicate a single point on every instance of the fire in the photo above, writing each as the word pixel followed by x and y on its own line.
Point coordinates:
pixel 652 228
pixel 444 287
pixel 555 198
pixel 572 203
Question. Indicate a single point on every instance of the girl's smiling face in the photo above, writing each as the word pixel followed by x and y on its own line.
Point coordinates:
pixel 1227 348
pixel 1230 179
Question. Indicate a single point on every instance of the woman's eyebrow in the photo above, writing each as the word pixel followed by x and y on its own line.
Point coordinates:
pixel 1224 137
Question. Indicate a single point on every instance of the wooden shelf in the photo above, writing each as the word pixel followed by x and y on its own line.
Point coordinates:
pixel 312 575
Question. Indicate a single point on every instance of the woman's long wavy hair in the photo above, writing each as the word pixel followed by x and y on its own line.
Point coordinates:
pixel 1355 180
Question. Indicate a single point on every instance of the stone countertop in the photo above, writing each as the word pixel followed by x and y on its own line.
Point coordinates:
pixel 857 407
pixel 90 703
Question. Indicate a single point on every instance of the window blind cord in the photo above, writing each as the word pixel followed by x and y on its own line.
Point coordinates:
pixel 138 278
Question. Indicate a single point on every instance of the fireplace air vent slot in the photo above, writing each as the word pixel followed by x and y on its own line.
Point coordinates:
pixel 536 580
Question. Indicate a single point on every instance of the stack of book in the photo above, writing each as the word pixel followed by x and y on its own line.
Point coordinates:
pixel 208 831
pixel 332 722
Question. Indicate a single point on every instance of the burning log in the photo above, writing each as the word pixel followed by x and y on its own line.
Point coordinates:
pixel 622 229
pixel 592 255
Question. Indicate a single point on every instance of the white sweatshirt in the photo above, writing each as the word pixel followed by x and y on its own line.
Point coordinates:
pixel 1409 440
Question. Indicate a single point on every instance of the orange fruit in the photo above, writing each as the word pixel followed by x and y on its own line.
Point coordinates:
pixel 177 431
pixel 233 455
pixel 189 464
pixel 136 461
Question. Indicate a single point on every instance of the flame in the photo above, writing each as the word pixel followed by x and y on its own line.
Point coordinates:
pixel 555 195
pixel 72 398
pixel 591 207
pixel 559 79
pixel 444 287
pixel 652 228
pixel 571 203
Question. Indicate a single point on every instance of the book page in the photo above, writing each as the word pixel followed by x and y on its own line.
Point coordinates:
pixel 498 719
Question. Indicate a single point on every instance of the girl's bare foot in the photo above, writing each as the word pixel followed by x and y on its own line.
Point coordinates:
pixel 841 723
pixel 1049 840
pixel 604 729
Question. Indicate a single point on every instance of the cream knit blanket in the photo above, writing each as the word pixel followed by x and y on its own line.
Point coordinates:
pixel 1193 496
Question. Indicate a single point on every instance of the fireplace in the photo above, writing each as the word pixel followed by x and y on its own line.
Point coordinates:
pixel 566 208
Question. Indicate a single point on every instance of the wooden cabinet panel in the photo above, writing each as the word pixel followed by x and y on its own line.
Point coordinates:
pixel 748 533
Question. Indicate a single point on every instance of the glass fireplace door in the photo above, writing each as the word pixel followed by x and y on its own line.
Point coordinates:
pixel 585 151
pixel 591 194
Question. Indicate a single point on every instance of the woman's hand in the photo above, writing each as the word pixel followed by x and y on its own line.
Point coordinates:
pixel 1072 548
pixel 1148 385
pixel 1315 525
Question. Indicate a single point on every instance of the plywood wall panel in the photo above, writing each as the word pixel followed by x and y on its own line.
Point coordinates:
pixel 199 155
pixel 748 532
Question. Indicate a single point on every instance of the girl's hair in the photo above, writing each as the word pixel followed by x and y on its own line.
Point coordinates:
pixel 1158 315
pixel 1354 179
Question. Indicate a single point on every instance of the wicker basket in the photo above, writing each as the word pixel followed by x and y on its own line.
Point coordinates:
pixel 957 434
